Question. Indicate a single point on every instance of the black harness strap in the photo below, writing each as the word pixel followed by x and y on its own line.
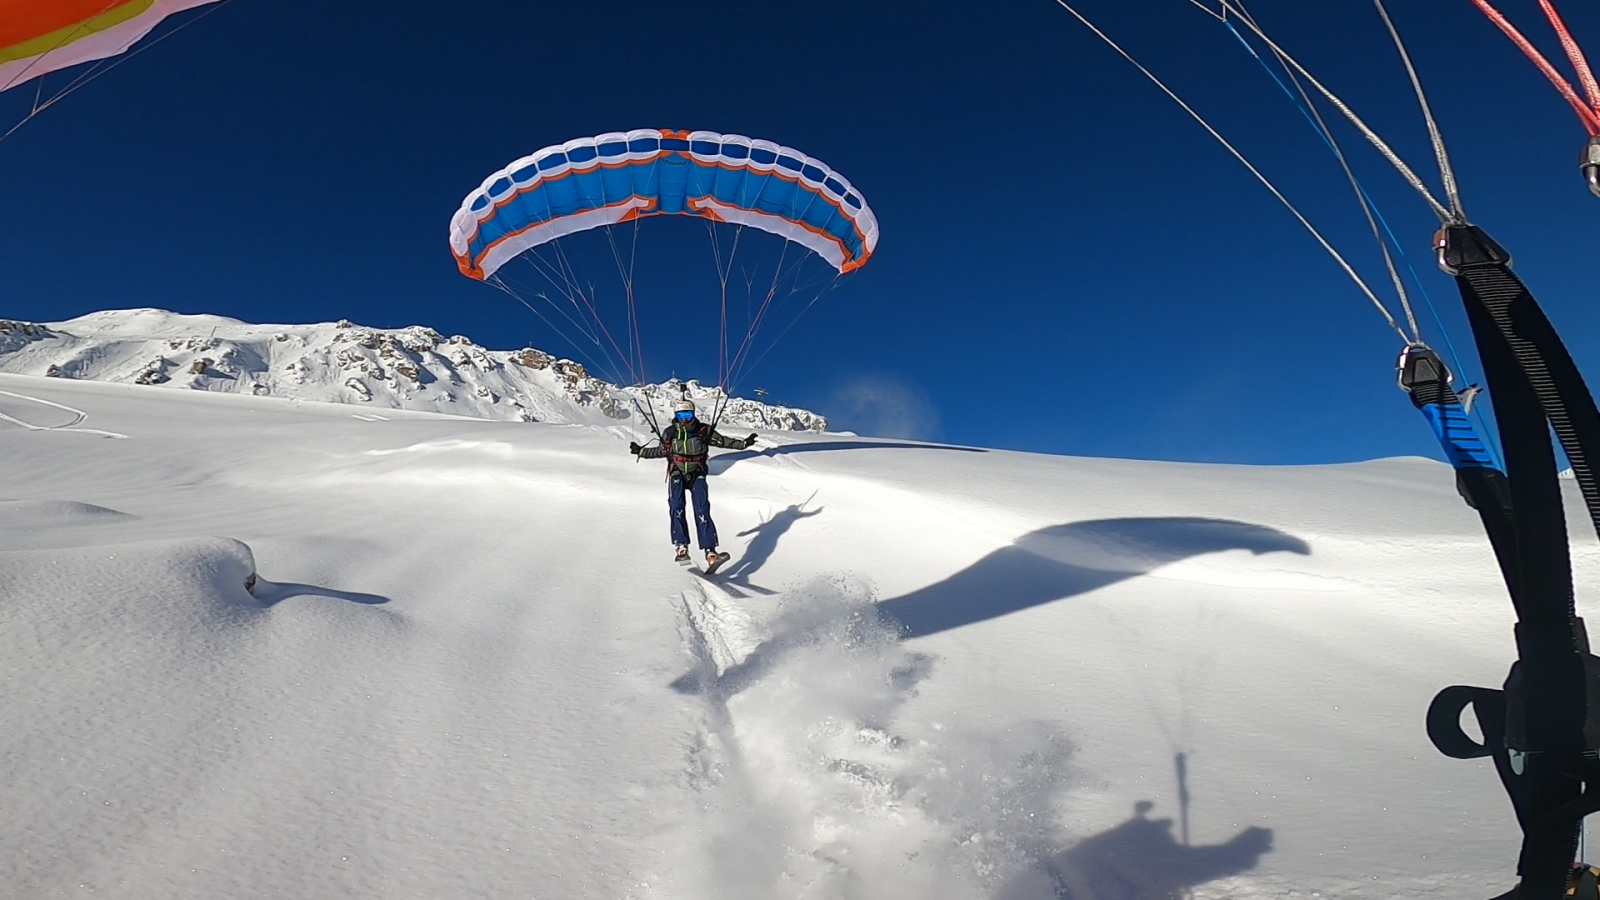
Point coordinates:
pixel 1543 729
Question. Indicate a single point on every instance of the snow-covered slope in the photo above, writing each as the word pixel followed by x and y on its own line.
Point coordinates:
pixel 468 667
pixel 408 368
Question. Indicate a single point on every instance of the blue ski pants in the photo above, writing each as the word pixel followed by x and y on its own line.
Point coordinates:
pixel 695 486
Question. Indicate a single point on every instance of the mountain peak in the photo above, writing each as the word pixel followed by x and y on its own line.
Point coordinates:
pixel 414 368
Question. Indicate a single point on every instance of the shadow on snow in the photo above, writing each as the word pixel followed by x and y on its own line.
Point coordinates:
pixel 1040 567
pixel 1066 560
pixel 722 462
pixel 271 593
pixel 765 542
pixel 1137 860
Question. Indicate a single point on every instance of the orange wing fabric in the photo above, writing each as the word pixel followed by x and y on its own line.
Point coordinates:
pixel 40 36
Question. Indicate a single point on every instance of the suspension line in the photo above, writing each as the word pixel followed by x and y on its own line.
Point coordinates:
pixel 1447 172
pixel 1338 258
pixel 1406 172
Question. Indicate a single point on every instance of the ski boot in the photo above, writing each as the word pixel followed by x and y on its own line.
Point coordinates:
pixel 681 556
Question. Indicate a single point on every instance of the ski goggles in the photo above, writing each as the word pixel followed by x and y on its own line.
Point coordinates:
pixel 683 415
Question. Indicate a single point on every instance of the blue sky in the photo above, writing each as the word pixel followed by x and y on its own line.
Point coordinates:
pixel 1068 263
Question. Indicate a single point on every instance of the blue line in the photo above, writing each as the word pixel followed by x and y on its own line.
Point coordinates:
pixel 1455 358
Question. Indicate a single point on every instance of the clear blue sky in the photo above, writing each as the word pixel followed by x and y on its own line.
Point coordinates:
pixel 1068 264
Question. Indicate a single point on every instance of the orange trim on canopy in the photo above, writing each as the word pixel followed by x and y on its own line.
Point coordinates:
pixel 573 170
pixel 474 270
pixel 795 179
pixel 472 267
pixel 850 262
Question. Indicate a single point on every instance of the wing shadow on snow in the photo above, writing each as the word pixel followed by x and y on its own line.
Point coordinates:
pixel 724 461
pixel 1066 560
pixel 1137 860
pixel 271 593
pixel 1040 567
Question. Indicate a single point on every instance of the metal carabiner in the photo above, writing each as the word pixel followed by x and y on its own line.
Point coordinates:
pixel 1589 163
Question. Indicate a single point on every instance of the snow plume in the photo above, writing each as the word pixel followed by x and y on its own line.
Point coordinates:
pixel 885 406
pixel 815 785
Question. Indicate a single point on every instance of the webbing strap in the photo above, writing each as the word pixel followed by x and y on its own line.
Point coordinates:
pixel 1426 380
pixel 1544 748
pixel 1516 345
pixel 1462 445
pixel 1483 273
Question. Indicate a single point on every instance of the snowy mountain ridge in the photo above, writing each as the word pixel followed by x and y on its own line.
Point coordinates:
pixel 413 368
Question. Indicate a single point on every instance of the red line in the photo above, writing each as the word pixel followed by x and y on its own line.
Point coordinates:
pixel 1574 53
pixel 1591 121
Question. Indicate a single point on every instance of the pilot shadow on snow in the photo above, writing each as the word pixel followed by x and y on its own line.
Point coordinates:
pixel 764 543
pixel 1138 859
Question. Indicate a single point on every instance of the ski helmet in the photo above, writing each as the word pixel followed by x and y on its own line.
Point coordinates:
pixel 681 407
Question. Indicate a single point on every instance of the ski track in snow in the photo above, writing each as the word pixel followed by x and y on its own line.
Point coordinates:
pixel 77 417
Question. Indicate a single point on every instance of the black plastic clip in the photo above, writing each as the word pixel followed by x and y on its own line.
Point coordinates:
pixel 1460 247
pixel 1420 365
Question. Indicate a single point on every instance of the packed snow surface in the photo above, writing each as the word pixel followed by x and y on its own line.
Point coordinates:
pixel 467 666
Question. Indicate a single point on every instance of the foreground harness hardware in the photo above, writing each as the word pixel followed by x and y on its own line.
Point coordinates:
pixel 1542 727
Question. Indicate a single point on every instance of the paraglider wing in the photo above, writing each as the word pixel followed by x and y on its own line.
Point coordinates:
pixel 617 177
pixel 40 36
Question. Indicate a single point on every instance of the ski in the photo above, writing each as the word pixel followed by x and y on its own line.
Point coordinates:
pixel 712 567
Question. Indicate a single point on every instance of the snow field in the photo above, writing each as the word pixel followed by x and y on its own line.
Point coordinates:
pixel 470 669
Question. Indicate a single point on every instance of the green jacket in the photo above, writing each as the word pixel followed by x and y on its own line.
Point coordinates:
pixel 685 446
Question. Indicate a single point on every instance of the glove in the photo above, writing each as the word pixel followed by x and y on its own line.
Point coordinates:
pixel 750 442
pixel 634 448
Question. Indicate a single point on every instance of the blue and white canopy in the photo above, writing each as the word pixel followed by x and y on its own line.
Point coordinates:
pixel 616 177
